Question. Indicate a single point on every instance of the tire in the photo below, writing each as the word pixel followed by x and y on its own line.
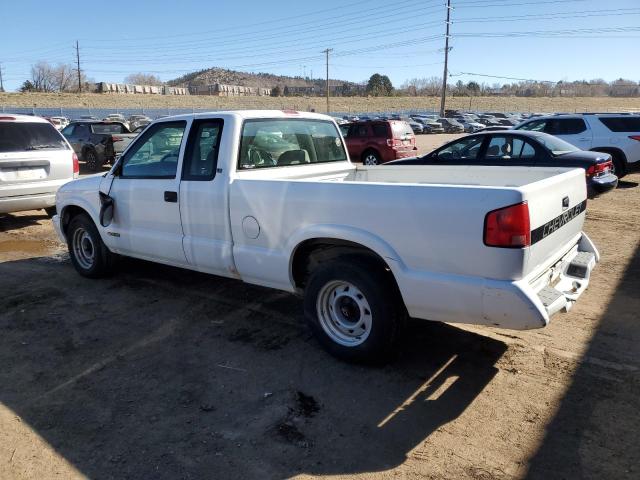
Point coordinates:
pixel 50 211
pixel 370 157
pixel 619 167
pixel 90 256
pixel 352 306
pixel 91 159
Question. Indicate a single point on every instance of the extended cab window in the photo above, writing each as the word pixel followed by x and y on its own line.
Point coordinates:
pixel 155 153
pixel 283 142
pixel 201 158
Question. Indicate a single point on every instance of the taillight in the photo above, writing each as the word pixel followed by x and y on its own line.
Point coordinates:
pixel 508 227
pixel 76 166
pixel 635 137
pixel 599 168
pixel 8 118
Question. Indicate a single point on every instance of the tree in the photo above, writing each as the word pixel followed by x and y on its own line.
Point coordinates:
pixel 143 79
pixel 42 77
pixel 473 87
pixel 379 85
pixel 27 86
pixel 63 76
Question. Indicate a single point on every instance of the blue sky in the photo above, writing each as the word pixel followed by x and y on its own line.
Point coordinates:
pixel 544 39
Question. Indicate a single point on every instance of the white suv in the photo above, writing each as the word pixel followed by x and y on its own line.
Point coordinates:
pixel 35 160
pixel 615 134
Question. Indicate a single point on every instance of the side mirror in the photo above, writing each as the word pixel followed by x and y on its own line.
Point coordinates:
pixel 106 209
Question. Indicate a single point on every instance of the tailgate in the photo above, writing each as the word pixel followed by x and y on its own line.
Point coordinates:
pixel 557 211
pixel 20 170
pixel 121 141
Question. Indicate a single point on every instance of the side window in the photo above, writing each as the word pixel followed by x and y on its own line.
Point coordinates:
pixel 509 148
pixel 81 131
pixel 570 126
pixel 155 153
pixel 201 158
pixel 68 131
pixel 534 126
pixel 380 130
pixel 465 149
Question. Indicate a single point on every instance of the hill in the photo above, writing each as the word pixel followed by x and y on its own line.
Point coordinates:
pixel 214 75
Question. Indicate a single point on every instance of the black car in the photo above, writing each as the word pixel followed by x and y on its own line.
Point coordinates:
pixel 519 148
pixel 451 125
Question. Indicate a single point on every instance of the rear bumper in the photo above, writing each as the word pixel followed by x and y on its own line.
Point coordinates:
pixel 519 305
pixel 602 184
pixel 27 202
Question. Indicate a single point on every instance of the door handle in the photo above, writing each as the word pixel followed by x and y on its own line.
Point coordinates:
pixel 171 197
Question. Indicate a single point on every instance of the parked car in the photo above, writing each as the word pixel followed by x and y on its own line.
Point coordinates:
pixel 615 134
pixel 97 143
pixel 365 246
pixel 471 126
pixel 522 149
pixel 116 117
pixel 430 126
pixel 379 141
pixel 87 118
pixel 35 160
pixel 416 127
pixel 451 125
pixel 137 120
pixel 58 122
pixel 494 128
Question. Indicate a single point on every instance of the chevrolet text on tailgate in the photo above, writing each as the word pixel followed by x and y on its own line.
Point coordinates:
pixel 271 198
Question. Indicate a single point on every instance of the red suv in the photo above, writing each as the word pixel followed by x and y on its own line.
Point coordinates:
pixel 379 141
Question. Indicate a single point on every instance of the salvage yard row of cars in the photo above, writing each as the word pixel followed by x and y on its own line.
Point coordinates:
pixel 489 232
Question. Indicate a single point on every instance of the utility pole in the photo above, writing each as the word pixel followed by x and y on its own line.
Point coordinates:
pixel 78 58
pixel 1 82
pixel 327 51
pixel 446 61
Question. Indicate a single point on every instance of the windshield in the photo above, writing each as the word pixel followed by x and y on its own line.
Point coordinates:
pixel 556 145
pixel 21 137
pixel 283 142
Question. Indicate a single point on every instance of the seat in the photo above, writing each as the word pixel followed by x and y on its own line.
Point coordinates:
pixel 493 151
pixel 294 157
pixel 506 150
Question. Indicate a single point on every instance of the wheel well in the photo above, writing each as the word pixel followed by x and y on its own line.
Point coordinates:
pixel 68 213
pixel 312 252
pixel 370 149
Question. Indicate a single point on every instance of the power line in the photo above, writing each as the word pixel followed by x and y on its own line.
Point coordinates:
pixel 499 77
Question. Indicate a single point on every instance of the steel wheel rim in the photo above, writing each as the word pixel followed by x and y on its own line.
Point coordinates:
pixel 83 248
pixel 370 160
pixel 344 313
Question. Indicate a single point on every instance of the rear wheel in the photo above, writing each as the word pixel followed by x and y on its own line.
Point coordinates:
pixel 89 255
pixel 91 159
pixel 619 168
pixel 371 158
pixel 353 310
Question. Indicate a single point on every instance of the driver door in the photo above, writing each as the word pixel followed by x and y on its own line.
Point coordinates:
pixel 146 222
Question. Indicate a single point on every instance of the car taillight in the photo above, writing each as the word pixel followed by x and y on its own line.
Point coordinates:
pixel 508 227
pixel 635 137
pixel 599 168
pixel 76 166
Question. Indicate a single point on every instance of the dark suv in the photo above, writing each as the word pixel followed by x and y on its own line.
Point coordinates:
pixel 379 141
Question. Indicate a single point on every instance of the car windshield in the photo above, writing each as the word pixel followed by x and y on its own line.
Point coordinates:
pixel 555 145
pixel 23 136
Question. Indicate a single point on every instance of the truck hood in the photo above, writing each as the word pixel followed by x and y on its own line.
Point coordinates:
pixel 86 184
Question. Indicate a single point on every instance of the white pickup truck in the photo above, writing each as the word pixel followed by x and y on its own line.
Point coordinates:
pixel 271 198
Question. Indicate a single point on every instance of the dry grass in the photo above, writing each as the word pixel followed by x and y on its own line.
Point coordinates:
pixel 338 104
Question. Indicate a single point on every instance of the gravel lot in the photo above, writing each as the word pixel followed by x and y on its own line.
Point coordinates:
pixel 158 372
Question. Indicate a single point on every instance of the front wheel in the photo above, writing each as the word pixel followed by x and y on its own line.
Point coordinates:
pixel 89 255
pixel 352 308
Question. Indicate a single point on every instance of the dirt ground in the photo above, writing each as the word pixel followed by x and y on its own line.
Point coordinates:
pixel 158 372
pixel 338 104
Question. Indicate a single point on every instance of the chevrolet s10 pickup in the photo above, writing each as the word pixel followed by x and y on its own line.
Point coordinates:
pixel 271 198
